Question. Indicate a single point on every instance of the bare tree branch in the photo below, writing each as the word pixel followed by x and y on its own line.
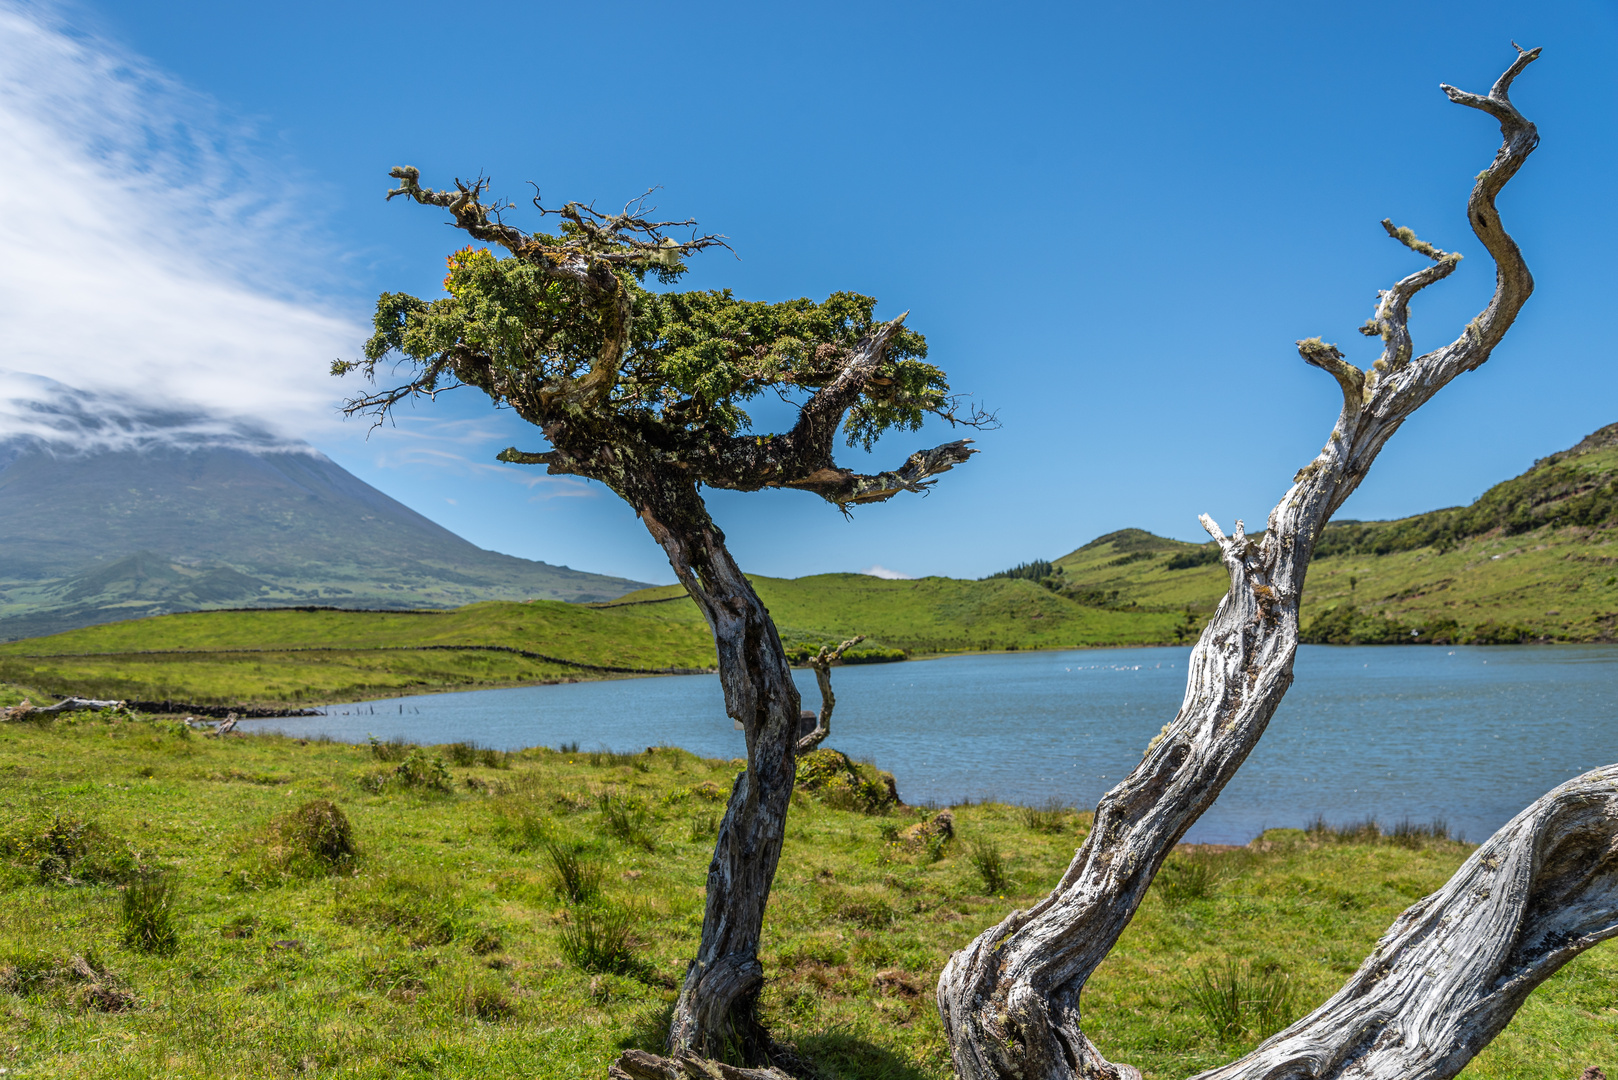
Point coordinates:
pixel 1454 968
pixel 1010 1000
pixel 822 662
pixel 843 487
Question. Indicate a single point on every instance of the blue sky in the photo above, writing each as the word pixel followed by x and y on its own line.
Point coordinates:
pixel 1110 222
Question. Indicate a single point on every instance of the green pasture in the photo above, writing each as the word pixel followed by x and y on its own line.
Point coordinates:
pixel 164 912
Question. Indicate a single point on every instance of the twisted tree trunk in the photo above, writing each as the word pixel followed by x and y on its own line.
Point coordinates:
pixel 1010 1000
pixel 715 1012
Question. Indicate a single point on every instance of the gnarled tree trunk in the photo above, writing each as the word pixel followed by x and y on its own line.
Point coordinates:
pixel 1010 1000
pixel 715 1010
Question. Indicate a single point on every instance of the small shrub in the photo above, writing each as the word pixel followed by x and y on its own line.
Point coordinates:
pixel 422 773
pixel 68 851
pixel 627 820
pixel 146 916
pixel 462 754
pixel 395 749
pixel 575 878
pixel 833 778
pixel 1049 816
pixel 991 866
pixel 1237 1001
pixel 1182 880
pixel 598 939
pixel 568 748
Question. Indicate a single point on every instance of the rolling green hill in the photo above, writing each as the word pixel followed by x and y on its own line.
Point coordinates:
pixel 309 656
pixel 1535 558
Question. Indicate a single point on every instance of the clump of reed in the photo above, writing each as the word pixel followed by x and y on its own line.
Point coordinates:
pixel 1240 1001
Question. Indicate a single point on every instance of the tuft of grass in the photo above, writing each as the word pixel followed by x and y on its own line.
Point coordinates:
pixel 483 1001
pixel 1184 878
pixel 704 826
pixel 598 939
pixel 146 915
pixel 627 820
pixel 991 866
pixel 1049 816
pixel 1238 1001
pixel 1407 833
pixel 576 879
pixel 421 910
pixel 312 841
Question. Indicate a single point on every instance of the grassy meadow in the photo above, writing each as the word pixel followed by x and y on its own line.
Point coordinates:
pixel 178 905
pixel 298 657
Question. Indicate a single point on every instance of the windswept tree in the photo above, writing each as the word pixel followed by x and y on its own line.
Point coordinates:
pixel 645 391
pixel 1456 966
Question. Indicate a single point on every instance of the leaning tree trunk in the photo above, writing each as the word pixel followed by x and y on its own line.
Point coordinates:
pixel 1010 1000
pixel 715 1013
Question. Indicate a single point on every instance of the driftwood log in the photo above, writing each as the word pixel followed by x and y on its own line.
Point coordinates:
pixel 73 704
pixel 1454 968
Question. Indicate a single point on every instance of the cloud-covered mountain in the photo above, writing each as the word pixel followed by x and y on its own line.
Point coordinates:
pixel 112 509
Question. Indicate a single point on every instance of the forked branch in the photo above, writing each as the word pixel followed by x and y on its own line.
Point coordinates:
pixel 1010 1001
pixel 822 662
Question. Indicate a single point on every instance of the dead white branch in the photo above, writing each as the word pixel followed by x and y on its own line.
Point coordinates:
pixel 1010 1000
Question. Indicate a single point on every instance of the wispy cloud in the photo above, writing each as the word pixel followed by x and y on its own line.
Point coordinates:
pixel 150 252
pixel 884 572
pixel 67 419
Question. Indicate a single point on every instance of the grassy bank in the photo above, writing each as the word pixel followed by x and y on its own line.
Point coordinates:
pixel 165 909
pixel 310 656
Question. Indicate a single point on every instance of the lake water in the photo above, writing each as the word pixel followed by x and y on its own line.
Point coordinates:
pixel 1470 735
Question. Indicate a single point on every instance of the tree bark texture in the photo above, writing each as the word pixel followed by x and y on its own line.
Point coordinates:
pixel 1454 968
pixel 714 1013
pixel 1010 1001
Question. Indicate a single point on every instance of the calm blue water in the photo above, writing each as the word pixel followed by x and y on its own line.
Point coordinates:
pixel 1471 735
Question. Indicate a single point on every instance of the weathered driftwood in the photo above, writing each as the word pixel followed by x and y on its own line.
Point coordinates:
pixel 1010 1000
pixel 639 1065
pixel 73 704
pixel 822 662
pixel 1455 967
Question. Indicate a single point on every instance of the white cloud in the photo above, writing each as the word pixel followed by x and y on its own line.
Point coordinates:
pixel 884 572
pixel 148 251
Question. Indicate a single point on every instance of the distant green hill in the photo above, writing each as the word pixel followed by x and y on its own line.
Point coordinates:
pixel 1532 559
pixel 90 537
pixel 307 656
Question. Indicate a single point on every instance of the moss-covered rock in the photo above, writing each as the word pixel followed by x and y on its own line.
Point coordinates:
pixel 837 780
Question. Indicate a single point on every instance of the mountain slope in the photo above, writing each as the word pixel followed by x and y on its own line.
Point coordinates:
pixel 111 533
pixel 1534 558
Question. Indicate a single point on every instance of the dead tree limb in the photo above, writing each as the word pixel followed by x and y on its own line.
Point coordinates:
pixel 822 662
pixel 1010 1000
pixel 1454 968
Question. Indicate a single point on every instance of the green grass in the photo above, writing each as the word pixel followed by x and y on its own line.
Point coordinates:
pixel 1549 584
pixel 438 934
pixel 306 657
